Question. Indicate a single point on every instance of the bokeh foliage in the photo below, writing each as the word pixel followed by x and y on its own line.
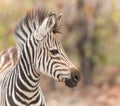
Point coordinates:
pixel 107 30
pixel 11 11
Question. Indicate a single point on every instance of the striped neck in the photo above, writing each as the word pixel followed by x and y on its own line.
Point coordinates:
pixel 27 86
pixel 27 59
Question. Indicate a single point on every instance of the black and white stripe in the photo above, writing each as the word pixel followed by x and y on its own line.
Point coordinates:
pixel 21 86
pixel 40 51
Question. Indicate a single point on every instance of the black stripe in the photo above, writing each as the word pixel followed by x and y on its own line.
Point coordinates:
pixel 59 73
pixel 34 25
pixel 28 26
pixel 23 95
pixel 43 59
pixel 48 64
pixel 51 68
pixel 24 78
pixel 19 36
pixel 10 100
pixel 26 69
pixel 23 30
pixel 17 97
pixel 35 74
pixel 28 52
pixel 32 50
pixel 26 61
pixel 36 100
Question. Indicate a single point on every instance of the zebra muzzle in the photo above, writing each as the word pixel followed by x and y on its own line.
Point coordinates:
pixel 74 80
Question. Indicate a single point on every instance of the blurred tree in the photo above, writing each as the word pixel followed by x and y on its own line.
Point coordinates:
pixel 86 44
pixel 92 26
pixel 88 27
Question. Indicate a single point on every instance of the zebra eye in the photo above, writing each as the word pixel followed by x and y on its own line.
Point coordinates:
pixel 54 51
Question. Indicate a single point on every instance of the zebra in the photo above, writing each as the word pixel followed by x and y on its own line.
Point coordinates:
pixel 39 52
pixel 8 58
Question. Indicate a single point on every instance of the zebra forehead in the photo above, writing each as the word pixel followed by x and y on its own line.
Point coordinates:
pixel 36 15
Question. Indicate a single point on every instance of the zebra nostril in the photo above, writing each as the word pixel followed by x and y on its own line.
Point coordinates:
pixel 76 76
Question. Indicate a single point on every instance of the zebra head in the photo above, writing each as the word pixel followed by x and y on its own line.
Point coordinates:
pixel 50 57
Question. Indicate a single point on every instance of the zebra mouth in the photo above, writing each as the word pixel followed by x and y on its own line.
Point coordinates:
pixel 70 83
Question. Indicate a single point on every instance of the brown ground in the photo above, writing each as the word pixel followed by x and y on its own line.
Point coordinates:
pixel 82 96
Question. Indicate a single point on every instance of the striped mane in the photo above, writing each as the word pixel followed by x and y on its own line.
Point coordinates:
pixel 29 24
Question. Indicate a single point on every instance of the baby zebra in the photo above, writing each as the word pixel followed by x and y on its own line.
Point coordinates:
pixel 39 51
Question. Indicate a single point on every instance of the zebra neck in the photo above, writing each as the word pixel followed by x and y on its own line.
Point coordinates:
pixel 26 64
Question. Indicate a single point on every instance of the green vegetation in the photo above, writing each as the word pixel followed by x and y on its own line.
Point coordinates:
pixel 106 31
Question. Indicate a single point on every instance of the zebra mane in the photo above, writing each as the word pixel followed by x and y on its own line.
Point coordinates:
pixel 29 24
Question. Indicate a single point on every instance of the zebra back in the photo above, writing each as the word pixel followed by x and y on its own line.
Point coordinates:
pixel 8 59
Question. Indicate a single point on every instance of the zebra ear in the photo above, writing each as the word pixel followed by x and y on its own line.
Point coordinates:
pixel 51 21
pixel 46 26
pixel 59 18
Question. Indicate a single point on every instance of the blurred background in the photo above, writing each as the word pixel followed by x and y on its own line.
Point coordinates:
pixel 91 37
